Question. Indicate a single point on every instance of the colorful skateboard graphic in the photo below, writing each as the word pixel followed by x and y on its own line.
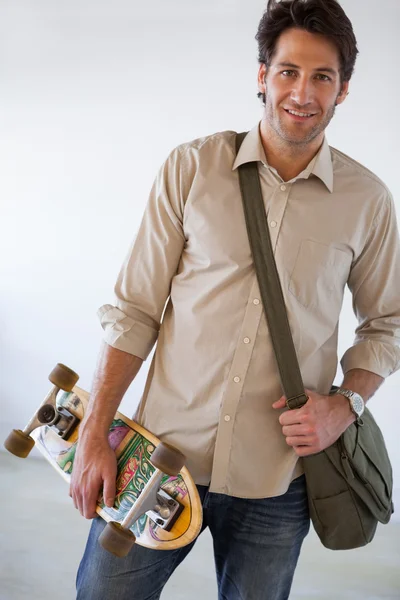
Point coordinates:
pixel 133 446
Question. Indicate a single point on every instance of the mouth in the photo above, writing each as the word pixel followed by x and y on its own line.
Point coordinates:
pixel 299 116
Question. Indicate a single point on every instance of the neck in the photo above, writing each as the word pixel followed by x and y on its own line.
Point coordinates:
pixel 288 159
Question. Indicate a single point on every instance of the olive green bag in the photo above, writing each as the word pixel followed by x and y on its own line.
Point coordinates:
pixel 349 484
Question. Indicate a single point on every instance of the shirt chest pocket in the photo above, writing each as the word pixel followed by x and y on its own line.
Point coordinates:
pixel 319 276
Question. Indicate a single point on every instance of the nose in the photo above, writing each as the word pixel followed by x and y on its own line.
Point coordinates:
pixel 302 92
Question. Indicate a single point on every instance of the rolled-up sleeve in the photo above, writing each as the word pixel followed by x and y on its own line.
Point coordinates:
pixel 375 286
pixel 144 282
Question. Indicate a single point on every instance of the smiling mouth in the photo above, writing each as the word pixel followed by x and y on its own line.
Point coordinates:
pixel 299 115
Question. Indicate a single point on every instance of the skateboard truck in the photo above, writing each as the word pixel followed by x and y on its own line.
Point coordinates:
pixel 117 538
pixel 20 442
pixel 58 418
pixel 166 511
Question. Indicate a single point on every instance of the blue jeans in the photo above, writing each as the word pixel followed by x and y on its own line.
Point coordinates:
pixel 256 547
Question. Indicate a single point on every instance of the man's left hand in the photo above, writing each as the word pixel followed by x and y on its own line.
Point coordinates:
pixel 316 425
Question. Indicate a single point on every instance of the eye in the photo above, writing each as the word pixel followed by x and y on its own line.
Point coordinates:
pixel 288 73
pixel 322 77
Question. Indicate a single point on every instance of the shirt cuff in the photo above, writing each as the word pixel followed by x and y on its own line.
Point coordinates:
pixel 378 357
pixel 126 334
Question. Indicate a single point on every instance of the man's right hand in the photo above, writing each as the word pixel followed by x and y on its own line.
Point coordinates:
pixel 95 464
pixel 95 467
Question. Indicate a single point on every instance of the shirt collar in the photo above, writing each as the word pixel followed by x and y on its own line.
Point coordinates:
pixel 252 150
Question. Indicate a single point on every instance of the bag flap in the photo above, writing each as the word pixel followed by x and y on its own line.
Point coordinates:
pixel 369 456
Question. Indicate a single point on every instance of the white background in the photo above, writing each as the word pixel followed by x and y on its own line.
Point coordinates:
pixel 93 96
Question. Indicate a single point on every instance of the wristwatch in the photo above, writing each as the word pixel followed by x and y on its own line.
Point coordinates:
pixel 357 404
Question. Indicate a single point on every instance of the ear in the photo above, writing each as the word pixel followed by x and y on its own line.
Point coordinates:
pixel 343 93
pixel 262 71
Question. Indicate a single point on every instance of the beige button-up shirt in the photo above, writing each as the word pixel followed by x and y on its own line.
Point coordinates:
pixel 189 283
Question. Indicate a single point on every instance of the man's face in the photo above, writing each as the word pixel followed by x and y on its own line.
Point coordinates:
pixel 302 77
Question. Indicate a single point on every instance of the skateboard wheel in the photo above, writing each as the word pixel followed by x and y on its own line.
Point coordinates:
pixel 19 443
pixel 63 377
pixel 167 459
pixel 116 539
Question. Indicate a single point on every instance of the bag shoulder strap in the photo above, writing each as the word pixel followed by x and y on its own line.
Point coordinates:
pixel 269 283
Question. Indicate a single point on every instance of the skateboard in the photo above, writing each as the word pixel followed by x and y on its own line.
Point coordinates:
pixel 157 504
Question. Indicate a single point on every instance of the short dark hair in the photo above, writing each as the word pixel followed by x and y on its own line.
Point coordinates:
pixel 325 17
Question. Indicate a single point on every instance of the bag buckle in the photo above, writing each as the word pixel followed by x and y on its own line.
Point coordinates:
pixel 297 404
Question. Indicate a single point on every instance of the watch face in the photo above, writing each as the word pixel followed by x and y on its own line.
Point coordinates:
pixel 357 403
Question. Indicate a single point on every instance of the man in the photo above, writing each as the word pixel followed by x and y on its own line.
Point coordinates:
pixel 213 388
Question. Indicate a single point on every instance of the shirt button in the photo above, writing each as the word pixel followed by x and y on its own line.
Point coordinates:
pixel 227 418
pixel 246 340
pixel 283 188
pixel 256 301
pixel 273 223
pixel 236 379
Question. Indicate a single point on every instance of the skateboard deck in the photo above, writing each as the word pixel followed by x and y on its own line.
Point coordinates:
pixel 133 446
